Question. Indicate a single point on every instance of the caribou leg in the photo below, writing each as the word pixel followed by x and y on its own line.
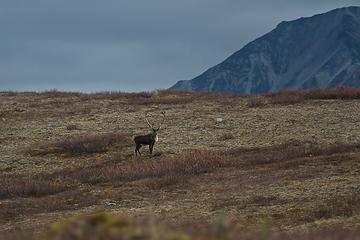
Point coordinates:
pixel 137 149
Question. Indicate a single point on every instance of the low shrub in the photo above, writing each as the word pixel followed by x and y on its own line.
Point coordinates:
pixel 345 206
pixel 69 200
pixel 333 93
pixel 255 101
pixel 85 144
pixel 288 151
pixel 196 162
pixel 191 163
pixel 25 187
pixel 297 96
pixel 287 97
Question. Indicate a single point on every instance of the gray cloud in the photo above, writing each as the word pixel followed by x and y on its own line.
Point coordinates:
pixel 130 45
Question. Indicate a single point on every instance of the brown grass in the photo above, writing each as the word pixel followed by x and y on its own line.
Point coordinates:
pixel 165 171
pixel 188 164
pixel 287 97
pixel 333 207
pixel 16 186
pixel 54 93
pixel 17 235
pixel 68 200
pixel 84 144
pixel 305 176
pixel 143 98
pixel 262 200
pixel 106 226
pixel 196 162
pixel 297 96
pixel 255 101
pixel 72 127
pixel 167 181
pixel 288 151
pixel 345 206
pixel 335 93
pixel 226 136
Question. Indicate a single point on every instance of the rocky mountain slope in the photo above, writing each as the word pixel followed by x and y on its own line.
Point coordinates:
pixel 319 51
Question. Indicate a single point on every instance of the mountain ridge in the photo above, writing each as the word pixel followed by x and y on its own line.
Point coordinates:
pixel 318 51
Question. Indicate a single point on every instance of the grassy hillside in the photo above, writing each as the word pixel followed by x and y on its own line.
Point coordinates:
pixel 288 161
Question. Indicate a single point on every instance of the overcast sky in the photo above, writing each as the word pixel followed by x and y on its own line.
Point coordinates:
pixel 130 45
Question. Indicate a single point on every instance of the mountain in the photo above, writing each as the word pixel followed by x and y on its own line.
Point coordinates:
pixel 320 51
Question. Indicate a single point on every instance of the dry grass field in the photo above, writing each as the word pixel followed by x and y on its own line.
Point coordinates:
pixel 284 163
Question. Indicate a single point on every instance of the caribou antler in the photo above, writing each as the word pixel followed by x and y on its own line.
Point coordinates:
pixel 163 113
pixel 148 121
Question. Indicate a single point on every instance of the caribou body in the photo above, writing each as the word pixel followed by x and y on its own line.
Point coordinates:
pixel 149 139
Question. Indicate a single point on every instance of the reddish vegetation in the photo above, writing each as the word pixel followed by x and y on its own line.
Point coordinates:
pixel 308 184
pixel 190 163
pixel 83 144
pixel 15 186
pixel 51 192
pixel 297 96
pixel 178 167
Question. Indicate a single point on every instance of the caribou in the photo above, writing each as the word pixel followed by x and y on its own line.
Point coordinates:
pixel 149 139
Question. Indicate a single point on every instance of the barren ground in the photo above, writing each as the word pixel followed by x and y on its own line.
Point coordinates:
pixel 295 193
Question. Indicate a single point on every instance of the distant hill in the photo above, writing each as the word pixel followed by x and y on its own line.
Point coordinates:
pixel 320 51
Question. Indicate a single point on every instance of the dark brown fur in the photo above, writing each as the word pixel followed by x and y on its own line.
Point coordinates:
pixel 149 139
pixel 143 140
